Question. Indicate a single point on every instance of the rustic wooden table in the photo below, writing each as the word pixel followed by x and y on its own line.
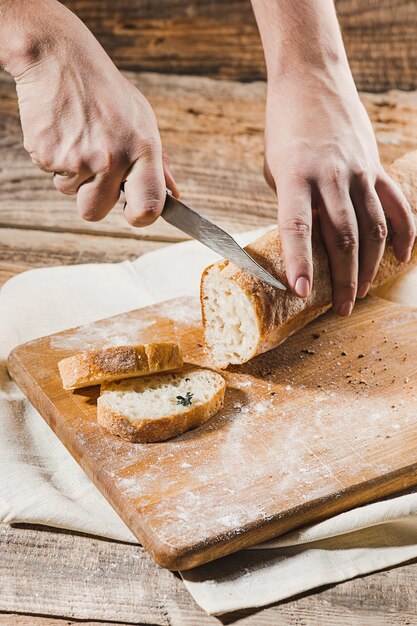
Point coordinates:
pixel 213 133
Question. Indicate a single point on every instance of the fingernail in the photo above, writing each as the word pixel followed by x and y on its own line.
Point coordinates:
pixel 346 309
pixel 302 287
pixel 363 290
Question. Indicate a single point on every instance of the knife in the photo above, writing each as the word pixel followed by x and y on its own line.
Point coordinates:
pixel 181 216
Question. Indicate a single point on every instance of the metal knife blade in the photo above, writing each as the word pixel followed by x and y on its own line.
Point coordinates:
pixel 180 215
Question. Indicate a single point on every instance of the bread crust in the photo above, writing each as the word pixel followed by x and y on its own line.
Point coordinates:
pixel 107 364
pixel 154 430
pixel 279 314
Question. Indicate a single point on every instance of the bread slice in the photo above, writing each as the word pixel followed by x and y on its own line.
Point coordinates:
pixel 155 408
pixel 243 316
pixel 97 366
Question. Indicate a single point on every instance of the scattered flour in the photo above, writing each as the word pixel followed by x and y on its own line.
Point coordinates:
pixel 399 321
pixel 241 384
pixel 183 311
pixel 114 332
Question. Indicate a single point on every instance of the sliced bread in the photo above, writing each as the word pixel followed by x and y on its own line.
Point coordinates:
pixel 97 366
pixel 155 408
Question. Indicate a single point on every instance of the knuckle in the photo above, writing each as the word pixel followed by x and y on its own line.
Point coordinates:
pixel 60 184
pixel 151 209
pixel 67 191
pixel 135 220
pixel 148 211
pixel 89 214
pixel 303 261
pixel 296 226
pixel 348 285
pixel 42 157
pixel 148 149
pixel 378 232
pixel 360 175
pixel 334 176
pixel 296 170
pixel 346 241
pixel 36 156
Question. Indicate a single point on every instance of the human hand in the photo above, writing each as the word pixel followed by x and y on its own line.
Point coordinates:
pixel 321 154
pixel 85 122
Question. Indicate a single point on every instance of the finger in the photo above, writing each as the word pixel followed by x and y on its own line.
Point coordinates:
pixel 399 213
pixel 145 188
pixel 268 176
pixel 98 195
pixel 372 234
pixel 294 223
pixel 69 183
pixel 170 182
pixel 339 228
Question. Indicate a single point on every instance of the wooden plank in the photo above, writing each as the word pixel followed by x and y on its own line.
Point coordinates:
pixel 34 561
pixel 15 619
pixel 120 589
pixel 22 249
pixel 214 134
pixel 330 392
pixel 220 39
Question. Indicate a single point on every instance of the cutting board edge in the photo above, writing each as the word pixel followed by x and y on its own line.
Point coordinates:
pixel 181 559
pixel 49 413
pixel 184 557
pixel 177 557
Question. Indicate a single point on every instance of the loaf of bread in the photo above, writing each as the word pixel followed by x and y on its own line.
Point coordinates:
pixel 97 366
pixel 155 408
pixel 243 316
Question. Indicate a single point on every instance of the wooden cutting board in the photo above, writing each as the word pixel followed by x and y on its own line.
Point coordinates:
pixel 325 422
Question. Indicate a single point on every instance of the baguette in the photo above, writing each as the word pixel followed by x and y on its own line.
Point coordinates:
pixel 243 316
pixel 156 408
pixel 107 364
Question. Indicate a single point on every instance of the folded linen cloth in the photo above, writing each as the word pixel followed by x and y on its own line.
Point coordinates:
pixel 40 483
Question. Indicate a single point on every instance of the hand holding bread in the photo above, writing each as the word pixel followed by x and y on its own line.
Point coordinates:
pixel 243 317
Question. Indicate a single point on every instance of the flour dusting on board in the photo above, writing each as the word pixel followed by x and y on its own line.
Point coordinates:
pixel 181 311
pixel 408 318
pixel 306 423
pixel 116 331
pixel 203 486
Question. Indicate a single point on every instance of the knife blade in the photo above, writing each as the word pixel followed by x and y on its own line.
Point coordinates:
pixel 189 221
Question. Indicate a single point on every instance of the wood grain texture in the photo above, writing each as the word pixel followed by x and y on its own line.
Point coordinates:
pixel 35 561
pixel 17 619
pixel 213 133
pixel 101 591
pixel 24 249
pixel 343 389
pixel 382 599
pixel 219 38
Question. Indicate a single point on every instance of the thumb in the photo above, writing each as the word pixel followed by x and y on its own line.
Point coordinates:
pixel 145 186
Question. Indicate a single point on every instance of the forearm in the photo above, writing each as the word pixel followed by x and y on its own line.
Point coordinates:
pixel 299 33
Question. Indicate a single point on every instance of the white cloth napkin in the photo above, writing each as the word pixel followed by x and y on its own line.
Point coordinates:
pixel 41 483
